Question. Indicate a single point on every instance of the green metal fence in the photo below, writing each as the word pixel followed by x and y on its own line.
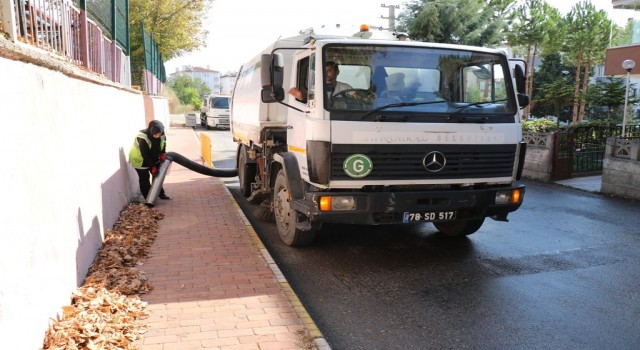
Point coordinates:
pixel 112 16
pixel 154 71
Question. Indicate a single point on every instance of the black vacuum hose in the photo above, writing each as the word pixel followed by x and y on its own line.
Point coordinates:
pixel 156 186
pixel 199 168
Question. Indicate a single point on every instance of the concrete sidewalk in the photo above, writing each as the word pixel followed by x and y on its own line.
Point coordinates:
pixel 214 284
pixel 587 183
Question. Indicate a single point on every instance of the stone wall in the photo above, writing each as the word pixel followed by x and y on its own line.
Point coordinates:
pixel 621 168
pixel 538 162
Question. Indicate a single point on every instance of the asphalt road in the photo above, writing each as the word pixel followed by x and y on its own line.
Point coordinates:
pixel 562 274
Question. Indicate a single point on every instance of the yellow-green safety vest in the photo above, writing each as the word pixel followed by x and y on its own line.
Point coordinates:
pixel 135 156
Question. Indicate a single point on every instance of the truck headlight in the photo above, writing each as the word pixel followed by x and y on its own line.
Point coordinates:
pixel 328 203
pixel 509 196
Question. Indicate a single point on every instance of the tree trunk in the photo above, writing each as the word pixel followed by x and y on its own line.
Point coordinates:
pixel 576 93
pixel 530 78
pixel 585 87
pixel 529 74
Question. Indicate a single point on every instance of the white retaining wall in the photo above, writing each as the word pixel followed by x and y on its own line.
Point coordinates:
pixel 65 178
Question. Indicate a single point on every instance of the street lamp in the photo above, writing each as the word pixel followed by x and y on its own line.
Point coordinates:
pixel 628 66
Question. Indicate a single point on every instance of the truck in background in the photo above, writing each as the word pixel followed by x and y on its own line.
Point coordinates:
pixel 214 113
pixel 203 111
pixel 426 133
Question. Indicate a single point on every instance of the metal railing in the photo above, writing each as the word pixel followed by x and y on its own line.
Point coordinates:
pixel 59 27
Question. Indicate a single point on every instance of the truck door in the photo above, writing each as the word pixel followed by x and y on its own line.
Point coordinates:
pixel 299 121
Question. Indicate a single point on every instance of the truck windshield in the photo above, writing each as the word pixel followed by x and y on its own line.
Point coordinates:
pixel 418 80
pixel 221 102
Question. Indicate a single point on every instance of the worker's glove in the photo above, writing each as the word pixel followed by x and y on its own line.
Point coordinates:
pixel 163 156
pixel 154 170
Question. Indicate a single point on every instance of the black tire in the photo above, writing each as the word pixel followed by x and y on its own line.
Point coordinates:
pixel 286 217
pixel 458 228
pixel 246 172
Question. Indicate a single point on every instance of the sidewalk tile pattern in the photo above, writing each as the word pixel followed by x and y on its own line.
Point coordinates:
pixel 213 283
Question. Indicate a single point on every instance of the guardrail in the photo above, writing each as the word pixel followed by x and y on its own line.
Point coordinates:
pixel 60 28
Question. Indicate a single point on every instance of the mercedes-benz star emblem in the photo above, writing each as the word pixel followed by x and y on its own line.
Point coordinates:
pixel 434 161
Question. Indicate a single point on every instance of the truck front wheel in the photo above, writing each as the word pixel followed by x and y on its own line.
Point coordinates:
pixel 458 228
pixel 286 217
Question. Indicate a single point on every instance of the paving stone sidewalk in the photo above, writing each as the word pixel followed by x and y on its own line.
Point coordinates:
pixel 214 284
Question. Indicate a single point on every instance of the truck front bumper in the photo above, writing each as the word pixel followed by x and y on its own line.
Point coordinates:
pixel 375 208
pixel 218 122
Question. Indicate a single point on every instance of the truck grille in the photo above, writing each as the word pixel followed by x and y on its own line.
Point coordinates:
pixel 405 162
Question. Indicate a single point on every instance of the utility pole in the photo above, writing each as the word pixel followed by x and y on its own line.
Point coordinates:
pixel 392 16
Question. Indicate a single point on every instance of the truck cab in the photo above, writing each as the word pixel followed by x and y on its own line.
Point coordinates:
pixel 217 114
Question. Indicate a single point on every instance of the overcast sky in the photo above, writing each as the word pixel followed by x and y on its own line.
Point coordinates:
pixel 239 30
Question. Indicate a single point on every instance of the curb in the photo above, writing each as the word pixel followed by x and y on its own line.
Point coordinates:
pixel 307 321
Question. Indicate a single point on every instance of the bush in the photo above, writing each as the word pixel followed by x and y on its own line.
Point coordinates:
pixel 175 106
pixel 539 125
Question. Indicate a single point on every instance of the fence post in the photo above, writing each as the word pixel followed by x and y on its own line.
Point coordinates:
pixel 8 15
pixel 84 34
pixel 634 153
pixel 114 40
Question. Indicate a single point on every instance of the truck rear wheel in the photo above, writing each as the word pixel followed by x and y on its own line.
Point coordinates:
pixel 458 228
pixel 246 172
pixel 286 217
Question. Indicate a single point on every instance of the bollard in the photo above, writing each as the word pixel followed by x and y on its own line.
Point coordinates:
pixel 205 150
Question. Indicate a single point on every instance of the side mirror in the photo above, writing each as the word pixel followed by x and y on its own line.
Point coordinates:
pixel 272 94
pixel 519 68
pixel 521 80
pixel 271 77
pixel 523 100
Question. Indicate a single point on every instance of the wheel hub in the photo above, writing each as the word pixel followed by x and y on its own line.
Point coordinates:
pixel 281 208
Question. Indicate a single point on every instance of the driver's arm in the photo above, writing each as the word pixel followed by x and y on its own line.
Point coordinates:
pixel 298 94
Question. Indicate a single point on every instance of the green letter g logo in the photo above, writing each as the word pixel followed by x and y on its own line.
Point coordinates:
pixel 357 165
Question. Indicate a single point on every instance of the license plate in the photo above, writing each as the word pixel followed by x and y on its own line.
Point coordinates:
pixel 428 216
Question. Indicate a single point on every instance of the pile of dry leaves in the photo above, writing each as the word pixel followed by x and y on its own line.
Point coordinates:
pixel 106 313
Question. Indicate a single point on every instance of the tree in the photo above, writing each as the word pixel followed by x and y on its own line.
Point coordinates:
pixel 610 93
pixel 468 22
pixel 587 39
pixel 190 91
pixel 559 95
pixel 552 70
pixel 175 25
pixel 536 24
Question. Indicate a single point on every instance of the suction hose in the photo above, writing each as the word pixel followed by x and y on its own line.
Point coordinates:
pixel 156 186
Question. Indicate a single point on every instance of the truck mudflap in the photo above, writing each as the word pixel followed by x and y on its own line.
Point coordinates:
pixel 376 208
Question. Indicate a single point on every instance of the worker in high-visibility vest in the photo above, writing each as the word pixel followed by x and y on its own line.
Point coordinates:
pixel 148 151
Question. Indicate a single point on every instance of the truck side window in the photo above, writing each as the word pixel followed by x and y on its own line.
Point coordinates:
pixel 302 80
